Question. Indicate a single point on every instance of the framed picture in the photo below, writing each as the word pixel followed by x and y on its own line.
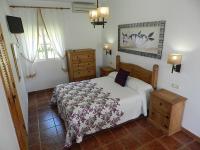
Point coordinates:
pixel 144 39
pixel 15 58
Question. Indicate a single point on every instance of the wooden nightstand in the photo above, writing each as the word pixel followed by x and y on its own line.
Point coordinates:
pixel 166 110
pixel 104 71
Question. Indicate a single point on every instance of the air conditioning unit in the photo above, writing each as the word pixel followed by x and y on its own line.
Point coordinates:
pixel 83 7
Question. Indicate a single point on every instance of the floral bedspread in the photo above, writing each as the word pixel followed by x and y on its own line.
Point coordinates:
pixel 85 109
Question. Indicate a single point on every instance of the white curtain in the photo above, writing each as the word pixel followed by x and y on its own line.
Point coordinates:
pixel 54 21
pixel 29 39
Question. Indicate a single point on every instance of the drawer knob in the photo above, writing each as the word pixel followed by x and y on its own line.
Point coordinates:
pixel 167 117
pixel 160 104
pixel 165 126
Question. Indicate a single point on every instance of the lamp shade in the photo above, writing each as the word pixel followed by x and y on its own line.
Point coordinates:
pixel 93 14
pixel 103 12
pixel 174 59
pixel 107 46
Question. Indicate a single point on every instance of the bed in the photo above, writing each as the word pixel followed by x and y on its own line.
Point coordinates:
pixel 92 105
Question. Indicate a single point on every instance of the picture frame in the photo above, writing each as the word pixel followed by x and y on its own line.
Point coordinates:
pixel 15 58
pixel 144 39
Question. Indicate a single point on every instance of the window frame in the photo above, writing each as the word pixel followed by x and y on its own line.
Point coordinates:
pixel 42 30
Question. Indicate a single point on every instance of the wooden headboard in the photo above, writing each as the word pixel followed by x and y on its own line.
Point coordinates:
pixel 150 77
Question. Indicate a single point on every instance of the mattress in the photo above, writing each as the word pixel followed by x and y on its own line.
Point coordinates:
pixel 133 102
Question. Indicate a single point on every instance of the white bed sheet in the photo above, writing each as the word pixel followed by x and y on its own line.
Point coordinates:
pixel 132 102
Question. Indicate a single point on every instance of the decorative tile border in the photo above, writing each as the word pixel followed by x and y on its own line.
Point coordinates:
pixel 161 24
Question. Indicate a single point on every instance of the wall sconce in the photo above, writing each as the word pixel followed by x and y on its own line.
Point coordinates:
pixel 108 48
pixel 175 60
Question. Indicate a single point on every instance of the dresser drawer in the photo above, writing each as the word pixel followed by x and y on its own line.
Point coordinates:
pixel 83 58
pixel 84 78
pixel 78 74
pixel 160 105
pixel 84 66
pixel 88 64
pixel 90 72
pixel 83 73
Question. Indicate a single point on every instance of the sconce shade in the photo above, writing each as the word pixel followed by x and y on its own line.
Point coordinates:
pixel 103 12
pixel 174 59
pixel 107 46
pixel 93 14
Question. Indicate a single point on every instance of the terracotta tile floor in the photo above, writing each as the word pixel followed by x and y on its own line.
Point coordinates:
pixel 47 132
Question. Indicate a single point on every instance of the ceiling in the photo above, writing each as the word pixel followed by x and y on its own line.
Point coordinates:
pixel 58 0
pixel 60 3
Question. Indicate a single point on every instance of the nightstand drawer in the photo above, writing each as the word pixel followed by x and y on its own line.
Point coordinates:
pixel 104 71
pixel 160 119
pixel 161 106
pixel 165 115
pixel 155 116
pixel 165 122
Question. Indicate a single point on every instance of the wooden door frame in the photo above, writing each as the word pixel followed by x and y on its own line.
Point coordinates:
pixel 12 95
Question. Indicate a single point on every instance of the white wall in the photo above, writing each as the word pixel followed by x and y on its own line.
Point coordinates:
pixel 80 33
pixel 182 34
pixel 8 139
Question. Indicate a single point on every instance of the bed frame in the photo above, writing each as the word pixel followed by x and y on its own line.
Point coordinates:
pixel 150 77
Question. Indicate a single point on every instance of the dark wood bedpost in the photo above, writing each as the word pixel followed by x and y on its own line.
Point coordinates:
pixel 117 62
pixel 155 76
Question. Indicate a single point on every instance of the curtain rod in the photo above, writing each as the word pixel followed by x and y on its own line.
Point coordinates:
pixel 13 6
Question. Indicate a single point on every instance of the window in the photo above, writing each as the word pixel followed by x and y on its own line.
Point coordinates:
pixel 45 49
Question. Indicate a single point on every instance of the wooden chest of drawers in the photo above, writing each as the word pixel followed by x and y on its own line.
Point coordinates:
pixel 81 64
pixel 166 110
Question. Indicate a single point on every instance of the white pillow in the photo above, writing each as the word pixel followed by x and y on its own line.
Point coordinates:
pixel 138 85
pixel 134 83
pixel 113 74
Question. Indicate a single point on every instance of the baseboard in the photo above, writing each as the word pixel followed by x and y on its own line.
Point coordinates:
pixel 40 91
pixel 191 134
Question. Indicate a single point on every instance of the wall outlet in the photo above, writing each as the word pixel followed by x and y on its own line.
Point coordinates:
pixel 175 86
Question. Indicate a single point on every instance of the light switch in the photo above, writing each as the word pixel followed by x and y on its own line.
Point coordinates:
pixel 175 86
